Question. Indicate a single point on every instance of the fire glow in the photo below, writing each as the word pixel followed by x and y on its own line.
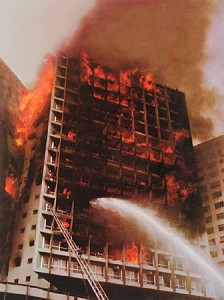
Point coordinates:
pixel 178 189
pixel 145 218
pixel 10 184
pixel 30 104
pixel 121 85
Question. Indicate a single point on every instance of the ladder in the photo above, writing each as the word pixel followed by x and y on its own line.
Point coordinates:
pixel 86 270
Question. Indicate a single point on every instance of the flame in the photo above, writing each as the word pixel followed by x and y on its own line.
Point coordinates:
pixel 181 135
pixel 99 72
pixel 147 81
pixel 98 95
pixel 31 104
pixel 71 135
pixel 67 193
pixel 168 149
pixel 65 223
pixel 125 80
pixel 173 188
pixel 10 184
pixel 178 190
pixel 131 253
pixel 158 91
pixel 112 84
pixel 169 158
pixel 187 190
pixel 154 156
pixel 86 69
pixel 128 137
pixel 113 87
pixel 99 84
pixel 124 102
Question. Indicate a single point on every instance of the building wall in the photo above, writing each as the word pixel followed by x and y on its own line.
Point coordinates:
pixel 24 234
pixel 210 168
pixel 11 159
pixel 108 134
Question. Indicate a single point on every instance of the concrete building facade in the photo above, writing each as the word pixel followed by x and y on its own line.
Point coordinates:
pixel 106 133
pixel 210 167
pixel 11 159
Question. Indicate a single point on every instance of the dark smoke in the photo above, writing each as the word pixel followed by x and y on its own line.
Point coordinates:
pixel 166 37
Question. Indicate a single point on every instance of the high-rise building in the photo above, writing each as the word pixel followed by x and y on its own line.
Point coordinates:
pixel 107 133
pixel 210 167
pixel 11 158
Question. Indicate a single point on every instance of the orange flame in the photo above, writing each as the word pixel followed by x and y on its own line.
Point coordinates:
pixel 99 83
pixel 31 104
pixel 187 190
pixel 181 135
pixel 168 149
pixel 169 158
pixel 98 96
pixel 128 137
pixel 172 187
pixel 158 91
pixel 10 184
pixel 125 80
pixel 98 71
pixel 124 102
pixel 147 81
pixel 113 87
pixel 85 65
pixel 71 135
pixel 65 223
pixel 154 156
pixel 131 253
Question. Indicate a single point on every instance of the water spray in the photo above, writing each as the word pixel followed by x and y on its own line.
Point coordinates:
pixel 152 224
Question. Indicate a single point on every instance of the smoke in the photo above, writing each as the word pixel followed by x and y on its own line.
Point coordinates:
pixel 164 37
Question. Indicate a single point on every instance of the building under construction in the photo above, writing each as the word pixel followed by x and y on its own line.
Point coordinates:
pixel 107 133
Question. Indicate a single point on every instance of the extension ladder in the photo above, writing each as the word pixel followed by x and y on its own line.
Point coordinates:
pixel 91 278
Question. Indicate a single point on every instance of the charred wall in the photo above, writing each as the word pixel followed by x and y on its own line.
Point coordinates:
pixel 117 134
pixel 11 156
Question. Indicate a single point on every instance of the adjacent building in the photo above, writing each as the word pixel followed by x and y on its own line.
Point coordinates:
pixel 11 159
pixel 210 167
pixel 106 133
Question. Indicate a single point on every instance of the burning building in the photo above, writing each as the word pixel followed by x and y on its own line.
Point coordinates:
pixel 11 158
pixel 107 133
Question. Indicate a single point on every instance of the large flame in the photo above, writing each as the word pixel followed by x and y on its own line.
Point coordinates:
pixel 181 135
pixel 147 81
pixel 86 69
pixel 33 102
pixel 131 253
pixel 10 184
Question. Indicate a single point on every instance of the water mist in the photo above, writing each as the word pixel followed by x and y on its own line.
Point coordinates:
pixel 154 226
